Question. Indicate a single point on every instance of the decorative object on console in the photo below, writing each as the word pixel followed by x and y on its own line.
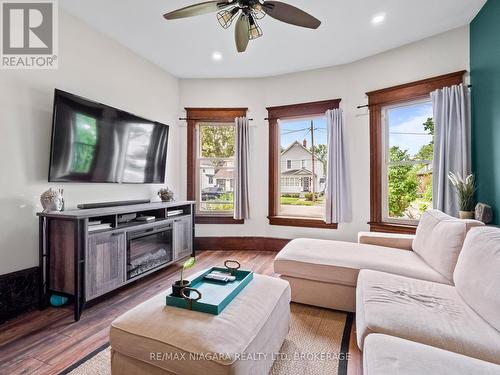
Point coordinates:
pixel 166 194
pixel 179 285
pixel 52 200
pixel 465 189
pixel 484 213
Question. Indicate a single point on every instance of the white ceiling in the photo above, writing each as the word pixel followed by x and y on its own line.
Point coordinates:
pixel 184 47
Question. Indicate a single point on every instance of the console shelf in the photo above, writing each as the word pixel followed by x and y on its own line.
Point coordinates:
pixel 85 264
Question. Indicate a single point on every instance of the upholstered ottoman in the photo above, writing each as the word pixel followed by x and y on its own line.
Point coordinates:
pixel 153 338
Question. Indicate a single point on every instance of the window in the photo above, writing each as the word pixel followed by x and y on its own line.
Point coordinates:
pixel 408 152
pixel 303 140
pixel 216 145
pixel 297 164
pixel 211 157
pixel 401 149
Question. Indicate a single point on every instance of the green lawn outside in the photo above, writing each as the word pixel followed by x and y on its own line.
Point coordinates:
pixel 299 201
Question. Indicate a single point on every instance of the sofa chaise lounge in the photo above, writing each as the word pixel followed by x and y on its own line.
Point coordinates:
pixel 427 303
pixel 463 319
pixel 324 272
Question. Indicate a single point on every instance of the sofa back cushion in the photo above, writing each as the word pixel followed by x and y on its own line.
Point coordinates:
pixel 440 238
pixel 477 275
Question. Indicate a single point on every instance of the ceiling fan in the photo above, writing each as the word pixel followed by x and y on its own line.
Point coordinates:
pixel 249 12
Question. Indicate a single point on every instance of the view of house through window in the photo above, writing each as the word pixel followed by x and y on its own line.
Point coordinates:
pixel 215 158
pixel 409 147
pixel 303 159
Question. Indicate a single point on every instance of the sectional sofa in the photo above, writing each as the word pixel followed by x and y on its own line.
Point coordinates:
pixel 425 303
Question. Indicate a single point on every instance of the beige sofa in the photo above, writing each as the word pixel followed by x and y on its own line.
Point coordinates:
pixel 428 303
pixel 388 355
pixel 463 319
pixel 324 273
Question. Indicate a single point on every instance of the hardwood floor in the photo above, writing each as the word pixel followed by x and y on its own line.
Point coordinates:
pixel 48 341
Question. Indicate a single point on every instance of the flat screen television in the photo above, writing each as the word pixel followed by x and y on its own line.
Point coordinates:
pixel 93 142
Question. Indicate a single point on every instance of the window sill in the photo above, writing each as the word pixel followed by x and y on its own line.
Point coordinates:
pixel 206 219
pixel 300 222
pixel 392 228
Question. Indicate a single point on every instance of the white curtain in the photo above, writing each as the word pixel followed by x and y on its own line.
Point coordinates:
pixel 452 144
pixel 241 205
pixel 338 203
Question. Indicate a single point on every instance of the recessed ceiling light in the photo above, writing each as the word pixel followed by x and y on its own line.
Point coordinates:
pixel 378 18
pixel 217 56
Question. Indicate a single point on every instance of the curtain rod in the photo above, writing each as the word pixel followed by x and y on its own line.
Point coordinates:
pixel 198 119
pixel 368 105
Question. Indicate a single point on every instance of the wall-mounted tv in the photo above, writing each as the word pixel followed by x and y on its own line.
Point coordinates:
pixel 93 142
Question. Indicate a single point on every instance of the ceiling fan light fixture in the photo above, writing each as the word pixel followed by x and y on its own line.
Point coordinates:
pixel 254 29
pixel 258 11
pixel 226 17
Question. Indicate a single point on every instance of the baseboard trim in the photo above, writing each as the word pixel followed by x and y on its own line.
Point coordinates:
pixel 18 293
pixel 241 243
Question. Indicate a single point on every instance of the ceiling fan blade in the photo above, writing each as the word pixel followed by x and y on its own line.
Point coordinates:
pixel 288 13
pixel 197 9
pixel 242 33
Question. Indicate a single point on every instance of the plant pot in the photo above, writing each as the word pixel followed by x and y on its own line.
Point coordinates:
pixel 466 214
pixel 177 287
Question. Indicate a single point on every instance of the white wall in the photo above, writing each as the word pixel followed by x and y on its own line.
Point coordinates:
pixel 93 66
pixel 441 54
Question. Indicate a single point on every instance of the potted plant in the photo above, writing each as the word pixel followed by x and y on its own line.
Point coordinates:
pixel 465 189
pixel 181 284
pixel 166 195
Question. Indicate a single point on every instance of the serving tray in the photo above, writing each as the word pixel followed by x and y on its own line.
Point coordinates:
pixel 215 295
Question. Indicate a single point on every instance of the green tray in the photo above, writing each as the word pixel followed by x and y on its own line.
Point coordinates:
pixel 216 295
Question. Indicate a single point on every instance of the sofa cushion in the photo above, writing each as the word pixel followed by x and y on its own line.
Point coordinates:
pixel 256 321
pixel 396 240
pixel 339 262
pixel 422 311
pixel 477 275
pixel 439 240
pixel 388 355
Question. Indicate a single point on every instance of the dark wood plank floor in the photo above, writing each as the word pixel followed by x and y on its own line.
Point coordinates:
pixel 48 341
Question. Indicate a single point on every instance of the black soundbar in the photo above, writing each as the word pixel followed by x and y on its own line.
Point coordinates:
pixel 85 206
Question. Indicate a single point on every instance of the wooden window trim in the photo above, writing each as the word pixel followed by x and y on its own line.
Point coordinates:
pixel 376 100
pixel 290 112
pixel 215 115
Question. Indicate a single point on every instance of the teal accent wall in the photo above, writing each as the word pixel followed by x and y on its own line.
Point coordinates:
pixel 485 80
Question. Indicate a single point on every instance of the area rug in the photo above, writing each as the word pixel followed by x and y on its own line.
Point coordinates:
pixel 317 344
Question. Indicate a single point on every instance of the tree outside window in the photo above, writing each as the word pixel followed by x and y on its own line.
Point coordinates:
pixel 410 134
pixel 216 166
